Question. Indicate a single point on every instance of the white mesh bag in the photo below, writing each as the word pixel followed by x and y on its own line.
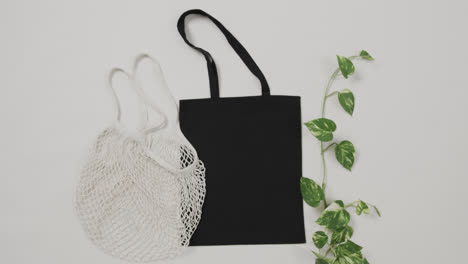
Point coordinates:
pixel 140 195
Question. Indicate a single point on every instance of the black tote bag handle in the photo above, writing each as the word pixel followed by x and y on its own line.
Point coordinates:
pixel 235 44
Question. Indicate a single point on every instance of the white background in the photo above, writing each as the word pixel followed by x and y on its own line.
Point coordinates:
pixel 409 124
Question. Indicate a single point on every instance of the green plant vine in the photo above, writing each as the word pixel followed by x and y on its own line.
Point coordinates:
pixel 334 217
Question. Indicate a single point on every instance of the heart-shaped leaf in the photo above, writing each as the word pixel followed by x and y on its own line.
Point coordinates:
pixel 311 192
pixel 322 128
pixel 334 216
pixel 320 239
pixel 348 247
pixel 344 152
pixel 362 207
pixel 346 99
pixel 341 235
pixel 365 55
pixel 346 66
pixel 349 253
pixel 323 260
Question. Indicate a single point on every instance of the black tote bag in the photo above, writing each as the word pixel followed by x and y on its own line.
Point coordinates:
pixel 251 147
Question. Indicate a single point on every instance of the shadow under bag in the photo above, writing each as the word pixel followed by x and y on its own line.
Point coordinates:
pixel 251 147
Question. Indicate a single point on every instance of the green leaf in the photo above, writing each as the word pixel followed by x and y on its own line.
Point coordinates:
pixel 334 216
pixel 348 260
pixel 323 260
pixel 365 55
pixel 320 239
pixel 311 192
pixel 346 99
pixel 322 128
pixel 341 235
pixel 347 248
pixel 377 210
pixel 346 66
pixel 352 259
pixel 365 261
pixel 349 253
pixel 344 152
pixel 362 207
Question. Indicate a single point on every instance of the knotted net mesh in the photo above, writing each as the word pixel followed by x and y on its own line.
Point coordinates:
pixel 133 205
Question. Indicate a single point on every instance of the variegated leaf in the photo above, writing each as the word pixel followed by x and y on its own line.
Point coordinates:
pixel 342 235
pixel 320 239
pixel 346 99
pixel 311 192
pixel 365 55
pixel 323 260
pixel 322 128
pixel 362 207
pixel 349 253
pixel 344 152
pixel 334 216
pixel 346 66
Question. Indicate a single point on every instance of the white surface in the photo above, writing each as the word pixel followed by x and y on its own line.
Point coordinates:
pixel 409 125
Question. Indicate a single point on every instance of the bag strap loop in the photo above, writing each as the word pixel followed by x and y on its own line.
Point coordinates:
pixel 110 78
pixel 235 44
pixel 147 103
pixel 157 69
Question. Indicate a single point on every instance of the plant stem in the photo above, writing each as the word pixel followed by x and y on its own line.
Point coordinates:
pixel 324 185
pixel 324 149
pixel 351 204
pixel 325 97
pixel 329 146
pixel 330 247
pixel 333 93
pixel 327 88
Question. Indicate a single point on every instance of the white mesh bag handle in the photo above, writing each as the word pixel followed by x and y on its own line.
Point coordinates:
pixel 172 132
pixel 118 106
pixel 130 205
pixel 172 149
pixel 185 159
